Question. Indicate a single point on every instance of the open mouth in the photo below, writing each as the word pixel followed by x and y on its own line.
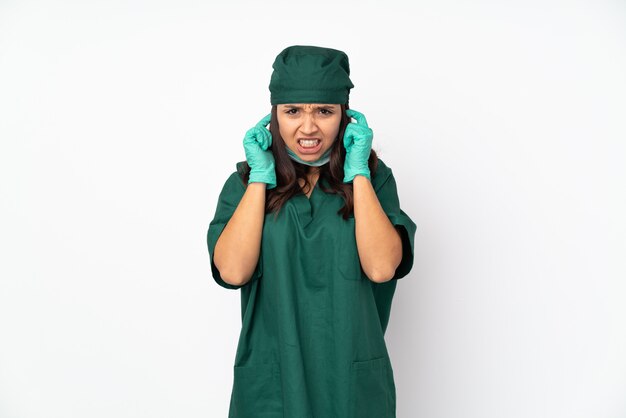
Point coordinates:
pixel 309 143
pixel 309 146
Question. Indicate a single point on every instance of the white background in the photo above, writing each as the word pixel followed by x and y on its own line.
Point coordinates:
pixel 504 123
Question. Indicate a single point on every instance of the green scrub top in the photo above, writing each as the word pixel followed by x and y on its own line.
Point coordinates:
pixel 312 338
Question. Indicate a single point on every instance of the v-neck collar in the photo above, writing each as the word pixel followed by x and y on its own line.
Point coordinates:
pixel 308 205
pixel 313 190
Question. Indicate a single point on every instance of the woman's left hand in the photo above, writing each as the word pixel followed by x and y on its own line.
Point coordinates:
pixel 358 142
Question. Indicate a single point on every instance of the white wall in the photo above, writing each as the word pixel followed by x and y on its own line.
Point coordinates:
pixel 504 123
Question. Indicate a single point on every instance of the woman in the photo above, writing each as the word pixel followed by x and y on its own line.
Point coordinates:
pixel 310 229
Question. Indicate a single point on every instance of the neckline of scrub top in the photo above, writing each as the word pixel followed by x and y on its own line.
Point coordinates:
pixel 307 205
pixel 312 191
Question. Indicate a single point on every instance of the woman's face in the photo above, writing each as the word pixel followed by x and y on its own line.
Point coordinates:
pixel 309 129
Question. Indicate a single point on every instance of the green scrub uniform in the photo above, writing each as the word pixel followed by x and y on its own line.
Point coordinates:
pixel 312 339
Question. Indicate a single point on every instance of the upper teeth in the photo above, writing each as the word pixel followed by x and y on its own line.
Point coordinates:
pixel 309 142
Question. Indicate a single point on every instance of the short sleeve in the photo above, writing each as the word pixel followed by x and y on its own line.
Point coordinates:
pixel 384 184
pixel 228 200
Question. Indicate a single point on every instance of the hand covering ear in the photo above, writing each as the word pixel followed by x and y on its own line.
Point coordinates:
pixel 256 144
pixel 357 140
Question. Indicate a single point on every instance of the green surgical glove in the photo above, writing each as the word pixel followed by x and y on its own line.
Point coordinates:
pixel 256 144
pixel 358 142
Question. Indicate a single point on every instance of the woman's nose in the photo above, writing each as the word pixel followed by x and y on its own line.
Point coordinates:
pixel 308 124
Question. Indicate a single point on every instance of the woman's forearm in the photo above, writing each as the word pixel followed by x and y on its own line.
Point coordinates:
pixel 238 247
pixel 378 241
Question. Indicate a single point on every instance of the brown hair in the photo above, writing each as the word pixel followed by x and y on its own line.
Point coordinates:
pixel 288 171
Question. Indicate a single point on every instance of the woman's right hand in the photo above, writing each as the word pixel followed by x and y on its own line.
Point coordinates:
pixel 256 144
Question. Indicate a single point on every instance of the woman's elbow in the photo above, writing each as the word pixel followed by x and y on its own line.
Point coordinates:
pixel 385 269
pixel 234 277
pixel 381 275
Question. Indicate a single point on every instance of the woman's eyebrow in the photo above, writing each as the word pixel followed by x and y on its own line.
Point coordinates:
pixel 315 107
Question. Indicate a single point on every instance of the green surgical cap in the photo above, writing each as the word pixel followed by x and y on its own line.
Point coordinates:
pixel 310 74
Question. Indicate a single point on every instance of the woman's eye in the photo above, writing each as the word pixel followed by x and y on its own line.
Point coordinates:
pixel 326 111
pixel 289 112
